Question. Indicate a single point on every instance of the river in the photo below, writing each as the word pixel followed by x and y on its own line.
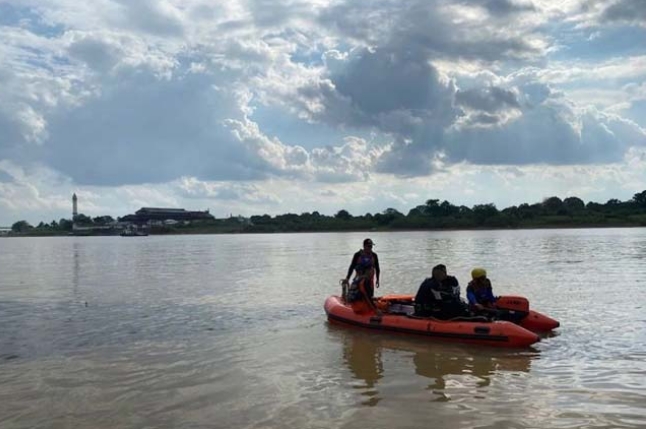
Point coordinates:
pixel 228 331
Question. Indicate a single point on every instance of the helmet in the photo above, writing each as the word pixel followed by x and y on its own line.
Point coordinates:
pixel 476 273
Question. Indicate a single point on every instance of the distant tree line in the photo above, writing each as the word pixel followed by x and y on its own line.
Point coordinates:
pixel 63 226
pixel 434 214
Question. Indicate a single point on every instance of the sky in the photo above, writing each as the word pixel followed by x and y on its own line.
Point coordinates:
pixel 250 107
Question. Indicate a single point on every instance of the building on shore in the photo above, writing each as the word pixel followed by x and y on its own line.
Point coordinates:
pixel 141 221
pixel 155 216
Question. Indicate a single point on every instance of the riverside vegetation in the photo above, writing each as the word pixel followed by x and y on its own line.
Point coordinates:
pixel 550 213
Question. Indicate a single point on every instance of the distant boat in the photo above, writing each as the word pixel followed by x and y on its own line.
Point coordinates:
pixel 133 233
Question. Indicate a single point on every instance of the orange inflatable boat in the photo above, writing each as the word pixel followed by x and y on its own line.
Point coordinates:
pixel 516 308
pixel 394 313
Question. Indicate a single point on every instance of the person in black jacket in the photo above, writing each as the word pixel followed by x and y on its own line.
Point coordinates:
pixel 366 265
pixel 439 296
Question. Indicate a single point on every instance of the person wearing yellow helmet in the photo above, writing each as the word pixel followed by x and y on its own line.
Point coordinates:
pixel 479 291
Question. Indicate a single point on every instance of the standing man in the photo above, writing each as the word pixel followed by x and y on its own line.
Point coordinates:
pixel 366 264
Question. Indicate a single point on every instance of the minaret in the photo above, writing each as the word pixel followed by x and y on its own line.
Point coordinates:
pixel 75 211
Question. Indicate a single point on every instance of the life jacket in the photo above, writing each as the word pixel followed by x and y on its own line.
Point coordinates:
pixel 365 266
pixel 482 293
pixel 365 271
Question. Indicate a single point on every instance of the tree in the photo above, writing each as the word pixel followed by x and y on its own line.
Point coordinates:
pixel 393 212
pixel 592 206
pixel 553 204
pixel 433 207
pixel 83 219
pixel 573 204
pixel 448 209
pixel 65 224
pixel 417 211
pixel 640 199
pixel 484 211
pixel 388 216
pixel 103 220
pixel 464 211
pixel 21 226
pixel 343 215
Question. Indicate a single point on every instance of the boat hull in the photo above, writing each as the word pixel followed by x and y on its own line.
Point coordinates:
pixel 497 333
pixel 533 320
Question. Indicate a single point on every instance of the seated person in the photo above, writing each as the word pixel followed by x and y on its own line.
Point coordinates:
pixel 480 293
pixel 439 296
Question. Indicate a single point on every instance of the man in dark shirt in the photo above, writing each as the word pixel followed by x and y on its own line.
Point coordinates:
pixel 439 296
pixel 366 264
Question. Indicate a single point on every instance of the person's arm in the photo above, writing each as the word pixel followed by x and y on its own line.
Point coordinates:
pixel 490 297
pixel 352 265
pixel 422 292
pixel 377 270
pixel 455 287
pixel 471 297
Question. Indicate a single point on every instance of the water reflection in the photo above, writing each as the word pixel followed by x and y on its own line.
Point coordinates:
pixel 363 356
pixel 75 273
pixel 437 363
pixel 447 366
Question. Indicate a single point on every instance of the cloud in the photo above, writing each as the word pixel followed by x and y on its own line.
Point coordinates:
pixel 158 17
pixel 351 161
pixel 627 11
pixel 190 187
pixel 554 133
pixel 489 99
pixel 26 189
pixel 143 128
pixel 444 29
pixel 505 7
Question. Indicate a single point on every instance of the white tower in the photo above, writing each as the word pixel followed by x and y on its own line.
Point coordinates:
pixel 75 211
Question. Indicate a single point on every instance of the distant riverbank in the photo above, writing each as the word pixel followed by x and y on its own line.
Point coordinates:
pixel 199 230
pixel 434 215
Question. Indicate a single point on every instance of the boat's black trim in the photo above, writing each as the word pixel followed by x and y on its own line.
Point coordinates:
pixel 486 337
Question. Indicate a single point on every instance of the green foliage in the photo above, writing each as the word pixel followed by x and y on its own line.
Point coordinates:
pixel 640 199
pixel 573 204
pixel 552 212
pixel 103 220
pixel 82 219
pixel 21 227
pixel 65 225
pixel 343 214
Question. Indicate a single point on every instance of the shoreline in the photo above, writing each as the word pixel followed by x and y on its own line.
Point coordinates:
pixel 449 229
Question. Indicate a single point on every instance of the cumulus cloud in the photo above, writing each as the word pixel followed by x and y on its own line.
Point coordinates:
pixel 190 187
pixel 446 29
pixel 24 190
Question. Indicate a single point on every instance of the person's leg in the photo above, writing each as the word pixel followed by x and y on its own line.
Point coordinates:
pixel 370 288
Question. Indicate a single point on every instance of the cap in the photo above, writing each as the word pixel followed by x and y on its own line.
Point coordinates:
pixel 368 241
